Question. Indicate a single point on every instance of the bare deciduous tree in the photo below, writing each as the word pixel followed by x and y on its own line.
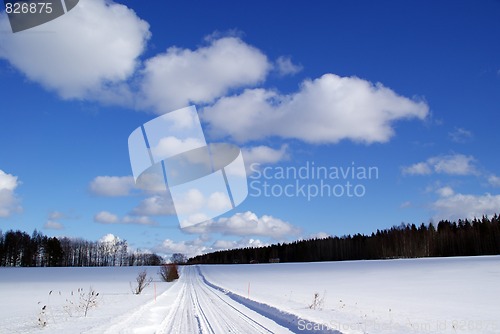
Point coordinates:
pixel 142 282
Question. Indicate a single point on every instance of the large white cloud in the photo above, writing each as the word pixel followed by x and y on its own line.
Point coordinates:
pixel 325 110
pixel 247 224
pixel 9 203
pixel 93 53
pixel 453 164
pixel 180 77
pixel 86 53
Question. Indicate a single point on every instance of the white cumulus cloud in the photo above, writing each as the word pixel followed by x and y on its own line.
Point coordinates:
pixel 88 52
pixel 157 205
pixel 199 246
pixel 110 238
pixel 9 202
pixel 180 77
pixel 7 181
pixel 455 206
pixel 232 244
pixel 325 110
pixel 218 201
pixel 246 224
pixel 189 248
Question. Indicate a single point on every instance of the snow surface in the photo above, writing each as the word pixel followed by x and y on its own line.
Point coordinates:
pixel 445 295
pixel 24 292
pixel 434 295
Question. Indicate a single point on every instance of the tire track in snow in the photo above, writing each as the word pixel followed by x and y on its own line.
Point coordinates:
pixel 202 309
pixel 287 320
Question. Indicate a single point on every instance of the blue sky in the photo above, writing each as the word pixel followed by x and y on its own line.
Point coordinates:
pixel 411 88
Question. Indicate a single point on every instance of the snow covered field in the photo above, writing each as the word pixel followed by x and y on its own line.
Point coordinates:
pixel 25 291
pixel 435 295
pixel 450 295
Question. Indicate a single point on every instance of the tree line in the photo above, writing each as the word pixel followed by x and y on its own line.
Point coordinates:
pixel 462 238
pixel 19 249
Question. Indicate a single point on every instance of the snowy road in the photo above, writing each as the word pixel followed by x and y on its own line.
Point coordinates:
pixel 191 306
pixel 202 309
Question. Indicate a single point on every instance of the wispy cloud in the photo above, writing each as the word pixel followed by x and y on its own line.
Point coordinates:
pixel 405 204
pixel 494 180
pixel 460 135
pixel 112 186
pixel 285 66
pixel 454 164
pixel 54 220
pixel 420 168
pixel 56 215
pixel 445 191
pixel 106 217
pixel 53 225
